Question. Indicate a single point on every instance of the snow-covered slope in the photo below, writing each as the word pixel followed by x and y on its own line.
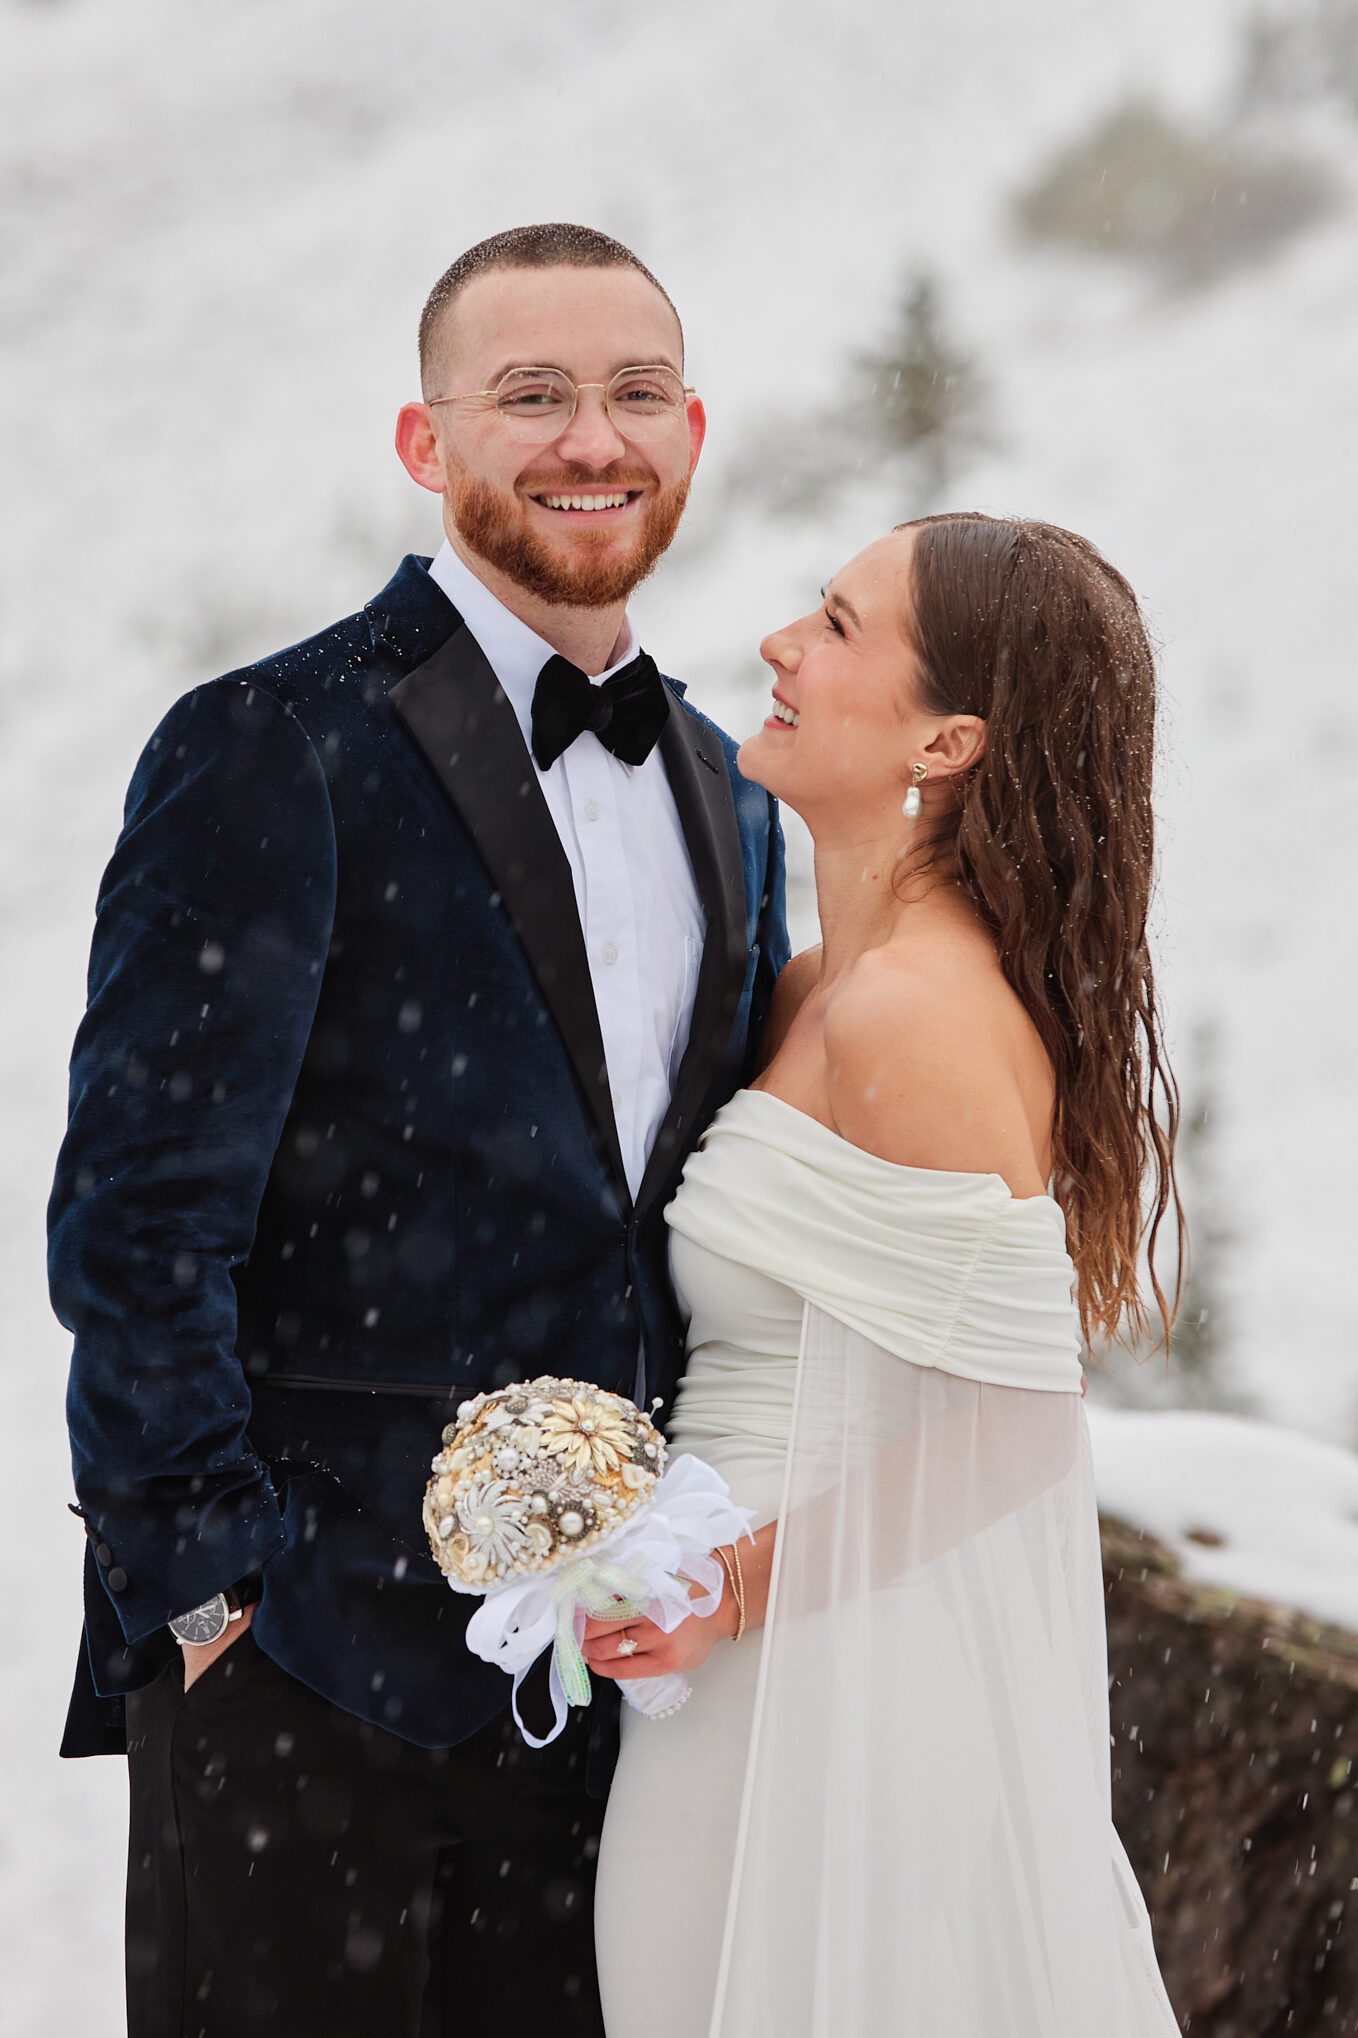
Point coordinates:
pixel 1243 1504
pixel 218 227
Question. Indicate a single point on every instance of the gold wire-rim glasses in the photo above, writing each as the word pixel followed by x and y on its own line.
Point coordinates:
pixel 549 425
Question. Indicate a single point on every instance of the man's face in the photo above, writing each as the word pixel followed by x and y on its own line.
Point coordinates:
pixel 502 494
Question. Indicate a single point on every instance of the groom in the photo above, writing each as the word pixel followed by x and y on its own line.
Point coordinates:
pixel 427 951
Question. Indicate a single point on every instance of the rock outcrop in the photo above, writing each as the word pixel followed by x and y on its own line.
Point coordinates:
pixel 1235 1789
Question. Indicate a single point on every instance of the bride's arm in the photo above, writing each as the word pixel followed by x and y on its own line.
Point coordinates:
pixel 931 1463
pixel 692 1642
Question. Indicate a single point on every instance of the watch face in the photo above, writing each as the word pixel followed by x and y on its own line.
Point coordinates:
pixel 205 1623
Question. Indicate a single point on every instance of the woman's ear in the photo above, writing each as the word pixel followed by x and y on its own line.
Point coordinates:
pixel 959 744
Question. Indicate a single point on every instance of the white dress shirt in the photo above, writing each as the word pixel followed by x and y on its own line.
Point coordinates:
pixel 640 913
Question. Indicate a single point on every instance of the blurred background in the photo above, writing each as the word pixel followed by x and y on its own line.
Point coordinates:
pixel 1090 260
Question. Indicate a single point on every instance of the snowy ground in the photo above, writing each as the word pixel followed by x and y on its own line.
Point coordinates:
pixel 1243 1504
pixel 218 227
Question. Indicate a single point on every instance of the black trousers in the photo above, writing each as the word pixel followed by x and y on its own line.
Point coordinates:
pixel 293 1870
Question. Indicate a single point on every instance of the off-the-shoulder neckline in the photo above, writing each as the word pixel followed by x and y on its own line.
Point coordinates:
pixel 933 1175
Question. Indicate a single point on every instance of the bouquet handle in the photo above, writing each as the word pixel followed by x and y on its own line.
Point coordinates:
pixel 655 1698
pixel 647 1570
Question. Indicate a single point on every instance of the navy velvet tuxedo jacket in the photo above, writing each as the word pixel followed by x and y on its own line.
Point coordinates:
pixel 342 1151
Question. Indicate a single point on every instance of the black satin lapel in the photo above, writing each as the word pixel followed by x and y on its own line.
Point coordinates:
pixel 701 785
pixel 454 708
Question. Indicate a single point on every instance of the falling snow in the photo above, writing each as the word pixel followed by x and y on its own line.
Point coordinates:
pixel 219 227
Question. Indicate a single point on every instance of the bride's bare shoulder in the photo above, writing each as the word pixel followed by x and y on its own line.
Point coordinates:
pixel 793 988
pixel 896 1009
pixel 932 1063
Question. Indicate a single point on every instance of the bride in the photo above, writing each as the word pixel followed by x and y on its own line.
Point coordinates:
pixel 885 1807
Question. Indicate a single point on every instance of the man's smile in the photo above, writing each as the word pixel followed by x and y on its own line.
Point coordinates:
pixel 609 503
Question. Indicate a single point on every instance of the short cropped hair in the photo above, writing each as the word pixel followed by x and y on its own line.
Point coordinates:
pixel 529 247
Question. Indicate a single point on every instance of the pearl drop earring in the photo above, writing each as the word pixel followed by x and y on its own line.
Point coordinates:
pixel 914 799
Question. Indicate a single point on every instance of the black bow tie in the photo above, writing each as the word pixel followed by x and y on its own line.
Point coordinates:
pixel 626 713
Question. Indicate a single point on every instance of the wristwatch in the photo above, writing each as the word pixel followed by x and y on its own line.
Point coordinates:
pixel 210 1621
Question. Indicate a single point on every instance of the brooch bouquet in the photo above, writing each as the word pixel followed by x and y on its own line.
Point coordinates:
pixel 553 1501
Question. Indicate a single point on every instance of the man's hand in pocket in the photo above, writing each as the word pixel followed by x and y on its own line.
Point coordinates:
pixel 198 1656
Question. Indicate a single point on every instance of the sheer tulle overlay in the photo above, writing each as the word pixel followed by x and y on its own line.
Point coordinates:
pixel 921 1840
pixel 925 1841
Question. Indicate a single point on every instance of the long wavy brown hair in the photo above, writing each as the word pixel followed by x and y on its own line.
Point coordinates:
pixel 1029 627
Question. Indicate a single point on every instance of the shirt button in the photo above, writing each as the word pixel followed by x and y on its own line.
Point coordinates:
pixel 608 953
pixel 591 810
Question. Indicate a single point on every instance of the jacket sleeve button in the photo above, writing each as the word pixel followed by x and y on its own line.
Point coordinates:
pixel 103 1554
pixel 117 1579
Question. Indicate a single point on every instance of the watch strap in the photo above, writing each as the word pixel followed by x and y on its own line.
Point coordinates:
pixel 233 1599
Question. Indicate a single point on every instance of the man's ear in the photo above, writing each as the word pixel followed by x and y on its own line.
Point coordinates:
pixel 697 429
pixel 418 448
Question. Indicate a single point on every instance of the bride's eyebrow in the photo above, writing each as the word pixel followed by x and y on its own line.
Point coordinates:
pixel 842 606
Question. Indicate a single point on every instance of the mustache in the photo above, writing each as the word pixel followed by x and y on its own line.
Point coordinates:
pixel 617 476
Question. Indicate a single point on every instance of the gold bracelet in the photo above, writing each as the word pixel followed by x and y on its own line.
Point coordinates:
pixel 737 1579
pixel 721 1558
pixel 737 1586
pixel 740 1591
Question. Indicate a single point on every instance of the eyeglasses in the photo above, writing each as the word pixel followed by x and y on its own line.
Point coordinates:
pixel 539 403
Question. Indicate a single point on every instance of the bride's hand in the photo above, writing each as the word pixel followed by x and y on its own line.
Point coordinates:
pixel 656 1654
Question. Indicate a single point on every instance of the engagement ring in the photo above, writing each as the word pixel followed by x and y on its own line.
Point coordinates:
pixel 626 1646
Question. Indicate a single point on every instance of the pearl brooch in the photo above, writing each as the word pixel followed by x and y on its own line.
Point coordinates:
pixel 531 1472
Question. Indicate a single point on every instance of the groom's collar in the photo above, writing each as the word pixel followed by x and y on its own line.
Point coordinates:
pixel 413 616
pixel 515 654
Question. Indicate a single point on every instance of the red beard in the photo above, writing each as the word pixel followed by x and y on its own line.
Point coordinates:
pixel 495 525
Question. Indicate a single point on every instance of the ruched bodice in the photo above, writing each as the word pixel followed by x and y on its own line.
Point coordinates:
pixel 945 1270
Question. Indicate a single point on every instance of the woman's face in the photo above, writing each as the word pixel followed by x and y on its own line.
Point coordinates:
pixel 846 725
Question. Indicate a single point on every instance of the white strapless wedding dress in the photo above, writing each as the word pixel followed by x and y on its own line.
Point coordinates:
pixel 888 1811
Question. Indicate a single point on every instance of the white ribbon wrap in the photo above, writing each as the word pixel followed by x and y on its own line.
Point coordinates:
pixel 642 1569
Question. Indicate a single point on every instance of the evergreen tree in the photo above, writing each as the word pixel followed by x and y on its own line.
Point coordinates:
pixel 1198 1345
pixel 919 394
pixel 911 410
